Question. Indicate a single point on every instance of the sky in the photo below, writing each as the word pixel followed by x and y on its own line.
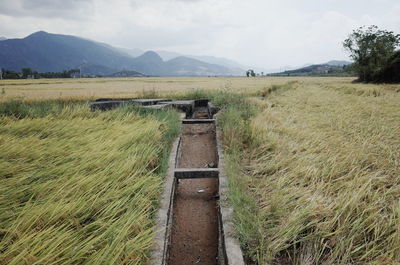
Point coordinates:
pixel 272 34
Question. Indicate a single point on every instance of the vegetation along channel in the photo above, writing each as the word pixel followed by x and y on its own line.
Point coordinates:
pixel 128 156
pixel 194 235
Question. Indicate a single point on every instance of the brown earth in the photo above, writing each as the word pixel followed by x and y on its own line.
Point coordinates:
pixel 194 235
pixel 201 113
pixel 198 146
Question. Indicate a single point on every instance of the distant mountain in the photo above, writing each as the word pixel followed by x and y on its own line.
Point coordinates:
pixel 290 68
pixel 234 66
pixel 150 63
pixel 220 60
pixel 338 63
pixel 134 52
pixel 187 66
pixel 335 68
pixel 2 38
pixel 167 55
pixel 94 69
pixel 45 52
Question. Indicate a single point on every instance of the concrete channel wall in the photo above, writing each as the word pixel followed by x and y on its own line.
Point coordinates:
pixel 197 113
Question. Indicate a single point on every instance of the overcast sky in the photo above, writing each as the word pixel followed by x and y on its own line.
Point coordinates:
pixel 266 33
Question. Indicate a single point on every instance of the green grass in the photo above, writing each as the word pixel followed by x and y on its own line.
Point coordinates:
pixel 80 187
pixel 314 175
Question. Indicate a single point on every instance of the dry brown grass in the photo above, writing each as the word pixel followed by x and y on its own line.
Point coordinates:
pixel 80 187
pixel 132 87
pixel 320 186
pixel 319 182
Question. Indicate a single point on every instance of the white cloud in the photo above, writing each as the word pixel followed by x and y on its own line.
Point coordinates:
pixel 269 33
pixel 75 9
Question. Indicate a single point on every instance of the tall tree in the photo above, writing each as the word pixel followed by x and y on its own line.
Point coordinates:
pixel 370 48
pixel 26 72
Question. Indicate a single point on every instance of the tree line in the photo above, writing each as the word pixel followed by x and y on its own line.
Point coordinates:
pixel 375 53
pixel 27 73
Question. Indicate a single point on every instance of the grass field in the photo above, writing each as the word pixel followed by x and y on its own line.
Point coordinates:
pixel 80 187
pixel 133 87
pixel 313 166
pixel 315 174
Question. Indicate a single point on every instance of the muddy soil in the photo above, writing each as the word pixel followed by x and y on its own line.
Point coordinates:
pixel 198 146
pixel 194 234
pixel 194 237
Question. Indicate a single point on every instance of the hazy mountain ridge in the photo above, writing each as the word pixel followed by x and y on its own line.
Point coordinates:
pixel 338 63
pixel 331 68
pixel 167 55
pixel 184 66
pixel 46 52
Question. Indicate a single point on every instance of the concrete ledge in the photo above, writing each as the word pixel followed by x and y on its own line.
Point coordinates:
pixel 108 104
pixel 113 99
pixel 159 252
pixel 150 101
pixel 192 121
pixel 195 173
pixel 186 106
pixel 212 110
pixel 230 244
pixel 201 103
pixel 158 106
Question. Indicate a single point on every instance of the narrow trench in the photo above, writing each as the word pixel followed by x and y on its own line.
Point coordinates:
pixel 194 232
pixel 193 228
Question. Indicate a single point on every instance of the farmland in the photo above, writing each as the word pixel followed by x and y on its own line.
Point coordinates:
pixel 40 89
pixel 312 163
pixel 80 187
pixel 314 176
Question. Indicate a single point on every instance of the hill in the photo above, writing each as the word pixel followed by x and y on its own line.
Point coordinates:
pixel 235 66
pixel 331 68
pixel 187 66
pixel 46 52
pixel 338 63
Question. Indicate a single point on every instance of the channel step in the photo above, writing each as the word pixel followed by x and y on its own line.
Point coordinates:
pixel 196 173
pixel 192 121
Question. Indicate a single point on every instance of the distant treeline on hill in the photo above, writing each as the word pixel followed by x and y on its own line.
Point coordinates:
pixel 28 73
pixel 320 70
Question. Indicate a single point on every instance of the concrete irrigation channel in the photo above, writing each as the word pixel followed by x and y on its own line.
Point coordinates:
pixel 194 222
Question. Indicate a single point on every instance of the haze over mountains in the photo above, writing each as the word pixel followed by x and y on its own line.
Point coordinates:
pixel 45 52
pixel 331 68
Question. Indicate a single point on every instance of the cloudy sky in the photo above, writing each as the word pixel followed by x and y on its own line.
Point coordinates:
pixel 264 33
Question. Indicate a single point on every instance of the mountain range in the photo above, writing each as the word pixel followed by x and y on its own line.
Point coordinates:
pixel 331 68
pixel 46 52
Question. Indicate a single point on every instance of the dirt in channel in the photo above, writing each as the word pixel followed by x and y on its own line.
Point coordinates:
pixel 194 235
pixel 201 113
pixel 198 146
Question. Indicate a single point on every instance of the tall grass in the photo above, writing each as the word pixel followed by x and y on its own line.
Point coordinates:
pixel 80 187
pixel 314 177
